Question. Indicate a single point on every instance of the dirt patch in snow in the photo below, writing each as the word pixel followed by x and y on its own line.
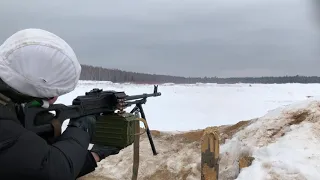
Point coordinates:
pixel 298 117
pixel 189 137
pixel 294 118
pixel 245 161
pixel 227 132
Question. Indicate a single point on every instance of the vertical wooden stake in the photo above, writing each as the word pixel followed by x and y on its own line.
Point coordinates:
pixel 210 149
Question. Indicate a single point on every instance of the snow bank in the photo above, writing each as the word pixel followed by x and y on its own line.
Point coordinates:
pixel 284 143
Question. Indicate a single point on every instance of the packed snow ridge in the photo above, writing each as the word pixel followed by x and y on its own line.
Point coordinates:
pixel 284 143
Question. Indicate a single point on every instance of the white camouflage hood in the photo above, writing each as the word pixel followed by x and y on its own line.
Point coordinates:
pixel 38 63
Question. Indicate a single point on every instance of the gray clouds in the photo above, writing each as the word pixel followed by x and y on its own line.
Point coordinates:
pixel 179 37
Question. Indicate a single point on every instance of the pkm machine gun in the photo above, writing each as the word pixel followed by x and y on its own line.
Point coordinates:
pixel 107 106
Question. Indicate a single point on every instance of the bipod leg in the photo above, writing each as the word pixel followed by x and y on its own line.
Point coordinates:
pixel 210 146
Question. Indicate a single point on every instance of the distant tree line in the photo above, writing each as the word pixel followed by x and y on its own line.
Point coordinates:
pixel 119 76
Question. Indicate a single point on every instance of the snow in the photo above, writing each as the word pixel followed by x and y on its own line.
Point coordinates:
pixel 186 107
pixel 282 147
pixel 293 155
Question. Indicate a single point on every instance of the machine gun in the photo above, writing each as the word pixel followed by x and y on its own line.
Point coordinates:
pixel 112 128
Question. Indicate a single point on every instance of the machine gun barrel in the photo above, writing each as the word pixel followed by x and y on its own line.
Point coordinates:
pixel 143 96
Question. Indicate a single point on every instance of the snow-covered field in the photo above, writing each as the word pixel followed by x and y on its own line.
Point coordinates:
pixel 283 136
pixel 189 107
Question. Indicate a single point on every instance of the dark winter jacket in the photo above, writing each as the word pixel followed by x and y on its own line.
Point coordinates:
pixel 25 155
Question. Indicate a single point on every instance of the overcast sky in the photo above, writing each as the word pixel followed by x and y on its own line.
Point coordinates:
pixel 179 37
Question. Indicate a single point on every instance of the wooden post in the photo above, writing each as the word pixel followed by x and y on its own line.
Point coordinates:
pixel 210 149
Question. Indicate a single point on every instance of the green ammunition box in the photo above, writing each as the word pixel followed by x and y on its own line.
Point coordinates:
pixel 115 130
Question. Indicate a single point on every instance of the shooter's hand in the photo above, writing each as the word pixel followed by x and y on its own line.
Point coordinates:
pixel 103 151
pixel 86 123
